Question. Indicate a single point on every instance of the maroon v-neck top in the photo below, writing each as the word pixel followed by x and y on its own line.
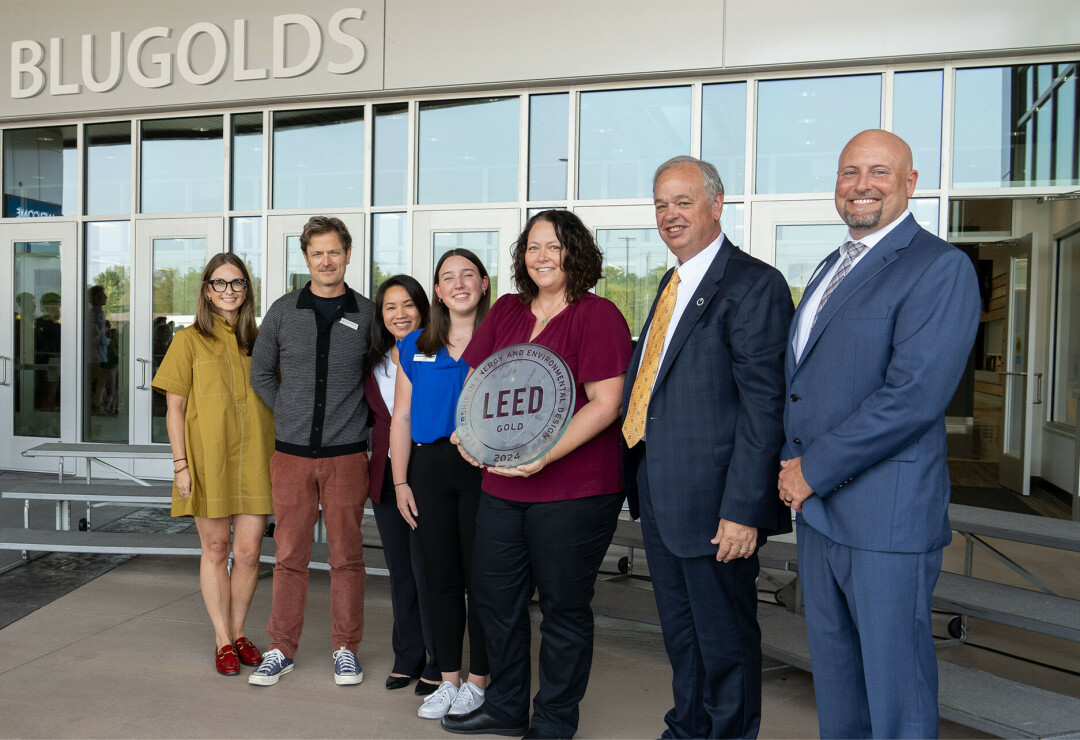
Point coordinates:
pixel 594 340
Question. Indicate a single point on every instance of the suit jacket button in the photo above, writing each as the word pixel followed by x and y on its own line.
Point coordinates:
pixel 796 441
pixel 794 397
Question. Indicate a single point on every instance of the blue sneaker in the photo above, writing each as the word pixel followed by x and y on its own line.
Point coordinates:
pixel 346 670
pixel 274 665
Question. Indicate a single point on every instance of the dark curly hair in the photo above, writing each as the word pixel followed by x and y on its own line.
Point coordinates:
pixel 582 260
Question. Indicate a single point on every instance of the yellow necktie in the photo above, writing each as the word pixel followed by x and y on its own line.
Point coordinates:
pixel 634 425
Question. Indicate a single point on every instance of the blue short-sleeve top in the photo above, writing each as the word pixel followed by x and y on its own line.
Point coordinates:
pixel 436 384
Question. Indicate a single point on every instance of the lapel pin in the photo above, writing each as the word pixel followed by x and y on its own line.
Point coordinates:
pixel 701 301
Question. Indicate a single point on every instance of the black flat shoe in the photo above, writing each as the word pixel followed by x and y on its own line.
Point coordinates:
pixel 397 682
pixel 479 722
pixel 425 688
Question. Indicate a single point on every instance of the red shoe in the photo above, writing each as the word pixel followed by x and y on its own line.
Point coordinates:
pixel 249 654
pixel 227 662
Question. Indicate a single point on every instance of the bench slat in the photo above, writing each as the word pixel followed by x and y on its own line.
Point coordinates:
pixel 1005 525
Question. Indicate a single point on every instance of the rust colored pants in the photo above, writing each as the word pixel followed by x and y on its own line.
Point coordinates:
pixel 300 485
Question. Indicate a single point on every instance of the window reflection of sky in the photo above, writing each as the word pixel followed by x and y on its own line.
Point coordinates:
pixel 469 151
pixel 548 146
pixel 723 132
pixel 625 135
pixel 803 124
pixel 319 158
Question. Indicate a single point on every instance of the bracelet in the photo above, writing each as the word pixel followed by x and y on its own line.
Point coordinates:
pixel 181 470
pixel 400 484
pixel 180 459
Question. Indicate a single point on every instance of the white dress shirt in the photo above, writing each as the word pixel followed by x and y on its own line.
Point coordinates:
pixel 810 302
pixel 691 273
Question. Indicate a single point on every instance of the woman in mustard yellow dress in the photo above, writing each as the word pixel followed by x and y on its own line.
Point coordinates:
pixel 222 437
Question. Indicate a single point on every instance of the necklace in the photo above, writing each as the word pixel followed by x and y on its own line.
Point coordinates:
pixel 548 315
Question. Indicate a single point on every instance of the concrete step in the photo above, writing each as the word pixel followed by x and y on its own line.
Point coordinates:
pixel 967 696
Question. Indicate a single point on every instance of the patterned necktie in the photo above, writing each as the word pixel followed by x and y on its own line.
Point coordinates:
pixel 850 250
pixel 634 425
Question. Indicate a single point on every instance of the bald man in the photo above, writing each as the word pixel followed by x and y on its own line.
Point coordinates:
pixel 875 352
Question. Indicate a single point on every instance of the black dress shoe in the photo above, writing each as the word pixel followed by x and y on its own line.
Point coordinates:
pixel 425 688
pixel 479 722
pixel 397 682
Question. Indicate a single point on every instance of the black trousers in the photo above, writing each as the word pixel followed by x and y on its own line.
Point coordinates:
pixel 556 547
pixel 447 490
pixel 414 654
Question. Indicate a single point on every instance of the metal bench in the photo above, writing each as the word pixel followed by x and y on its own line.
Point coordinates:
pixel 184 544
pixel 100 493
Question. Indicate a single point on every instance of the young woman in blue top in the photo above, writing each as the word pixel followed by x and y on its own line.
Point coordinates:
pixel 437 491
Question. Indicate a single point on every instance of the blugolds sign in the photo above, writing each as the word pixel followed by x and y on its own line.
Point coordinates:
pixel 155 67
pixel 117 55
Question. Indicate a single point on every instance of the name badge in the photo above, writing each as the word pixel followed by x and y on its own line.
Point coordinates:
pixel 421 357
pixel 352 325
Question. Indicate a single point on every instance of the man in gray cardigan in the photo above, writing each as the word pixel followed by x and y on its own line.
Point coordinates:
pixel 306 366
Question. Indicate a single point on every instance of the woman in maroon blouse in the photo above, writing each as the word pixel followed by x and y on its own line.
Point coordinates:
pixel 547 525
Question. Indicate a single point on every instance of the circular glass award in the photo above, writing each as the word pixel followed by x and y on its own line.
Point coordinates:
pixel 515 405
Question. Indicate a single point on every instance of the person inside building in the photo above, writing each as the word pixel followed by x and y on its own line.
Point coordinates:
pixel 401 307
pixel 546 525
pixel 437 491
pixel 222 438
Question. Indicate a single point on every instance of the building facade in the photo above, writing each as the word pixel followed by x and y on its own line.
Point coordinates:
pixel 140 137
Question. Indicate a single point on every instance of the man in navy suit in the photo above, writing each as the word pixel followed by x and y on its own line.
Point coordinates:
pixel 874 357
pixel 703 404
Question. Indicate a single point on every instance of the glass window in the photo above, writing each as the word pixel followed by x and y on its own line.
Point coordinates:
pixel 39 172
pixel 917 120
pixel 296 271
pixel 986 218
pixel 1066 391
pixel 469 151
pixel 799 249
pixel 723 132
pixel 634 262
pixel 247 245
pixel 36 361
pixel 1016 126
pixel 178 268
pixel 319 158
pixel 625 135
pixel 182 165
pixel 803 124
pixel 247 161
pixel 925 211
pixel 484 244
pixel 549 145
pixel 108 168
pixel 107 339
pixel 388 247
pixel 391 156
pixel 731 223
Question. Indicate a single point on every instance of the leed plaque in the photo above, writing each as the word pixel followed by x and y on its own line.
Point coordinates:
pixel 515 405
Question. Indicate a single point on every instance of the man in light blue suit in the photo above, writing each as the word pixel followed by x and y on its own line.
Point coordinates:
pixel 875 353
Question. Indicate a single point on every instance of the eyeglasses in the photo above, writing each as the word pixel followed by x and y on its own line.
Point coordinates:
pixel 238 286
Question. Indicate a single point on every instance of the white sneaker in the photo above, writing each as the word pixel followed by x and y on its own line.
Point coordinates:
pixel 437 704
pixel 469 697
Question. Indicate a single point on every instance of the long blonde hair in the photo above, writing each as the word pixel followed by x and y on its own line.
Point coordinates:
pixel 245 328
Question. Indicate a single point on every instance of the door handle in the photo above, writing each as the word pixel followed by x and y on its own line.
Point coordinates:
pixel 142 377
pixel 4 360
pixel 1038 388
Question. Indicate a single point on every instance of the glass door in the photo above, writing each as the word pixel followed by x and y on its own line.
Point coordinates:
pixel 1019 393
pixel 286 270
pixel 488 233
pixel 38 341
pixel 635 258
pixel 170 255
